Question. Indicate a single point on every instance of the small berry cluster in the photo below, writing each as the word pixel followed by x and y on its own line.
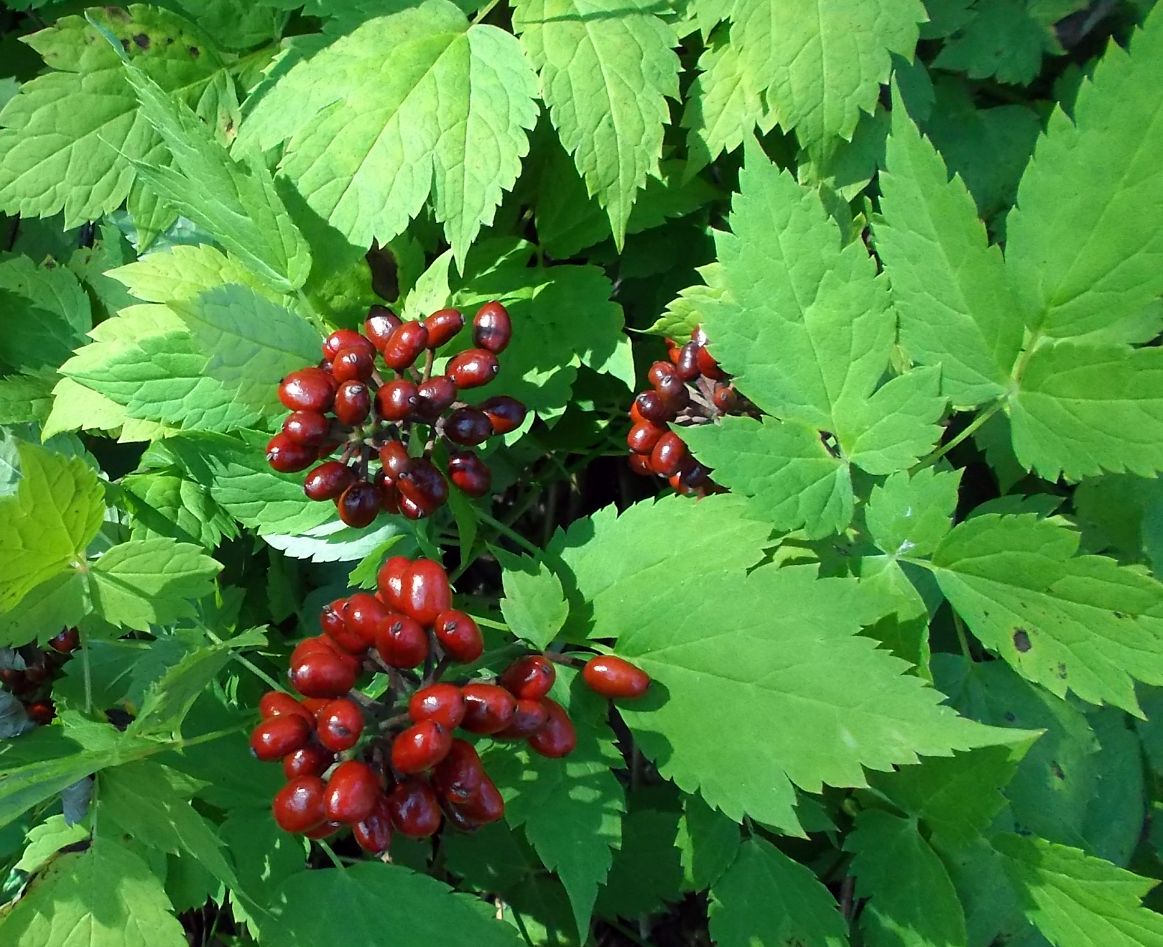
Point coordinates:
pixel 689 389
pixel 381 768
pixel 32 682
pixel 345 403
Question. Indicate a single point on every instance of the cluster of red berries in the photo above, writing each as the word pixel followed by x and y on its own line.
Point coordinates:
pixel 381 768
pixel 345 403
pixel 31 684
pixel 689 389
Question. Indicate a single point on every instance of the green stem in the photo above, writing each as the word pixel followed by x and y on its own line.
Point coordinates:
pixel 485 11
pixel 510 534
pixel 959 626
pixel 316 320
pixel 211 737
pixel 330 852
pixel 88 680
pixel 489 623
pixel 970 429
pixel 252 667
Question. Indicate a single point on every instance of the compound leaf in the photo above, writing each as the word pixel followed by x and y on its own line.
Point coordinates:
pixel 147 582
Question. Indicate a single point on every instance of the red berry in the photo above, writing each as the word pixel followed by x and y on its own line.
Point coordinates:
pixel 530 677
pixel 557 736
pixel 725 398
pixel 394 457
pixel 469 426
pixel 613 677
pixel 469 473
pixel 308 428
pixel 413 510
pixel 390 581
pixel 310 760
pixel 643 437
pixel 288 456
pixel 374 834
pixel 277 736
pixel 673 393
pixel 328 480
pixel 365 615
pixel 668 454
pixel 651 407
pixel 442 325
pixel 458 776
pixel 708 366
pixel 40 712
pixel 352 792
pixel 389 495
pixel 425 592
pixel 529 717
pixel 323 675
pixel 396 400
pixel 505 414
pixel 66 641
pixel 404 345
pixel 435 396
pixel 486 805
pixel 298 806
pixel 459 636
pixel 401 642
pixel 690 478
pixel 422 484
pixel 640 464
pixel 342 339
pixel 487 708
pixel 325 830
pixel 359 504
pixel 420 747
pixel 440 702
pixel 353 365
pixel 661 373
pixel 308 389
pixel 473 368
pixel 379 325
pixel 277 703
pixel 687 365
pixel 492 328
pixel 348 637
pixel 340 724
pixel 414 808
pixel 353 402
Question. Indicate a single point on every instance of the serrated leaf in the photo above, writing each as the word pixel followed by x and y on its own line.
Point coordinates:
pixel 912 902
pixel 607 68
pixel 77 408
pixel 909 515
pixel 46 527
pixel 646 872
pixel 24 398
pixel 70 136
pixel 767 898
pixel 236 203
pixel 1002 41
pixel 103 897
pixel 534 606
pixel 686 311
pixel 335 542
pixel 842 705
pixel 147 582
pixel 169 505
pixel 1086 249
pixel 44 314
pixel 1067 622
pixel 1074 898
pixel 46 839
pixel 56 603
pixel 708 843
pixel 895 426
pixel 949 286
pixel 181 273
pixel 370 138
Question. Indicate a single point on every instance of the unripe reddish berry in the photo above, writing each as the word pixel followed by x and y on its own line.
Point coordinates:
pixel 277 736
pixel 339 725
pixel 529 677
pixel 557 736
pixel 308 389
pixel 459 636
pixel 414 808
pixel 487 708
pixel 442 325
pixel 351 793
pixel 420 747
pixel 440 702
pixel 404 345
pixel 298 806
pixel 611 676
pixel 492 328
pixel 472 368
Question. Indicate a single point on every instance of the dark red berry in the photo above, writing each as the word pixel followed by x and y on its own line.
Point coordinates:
pixel 326 830
pixel 459 636
pixel 277 736
pixel 415 809
pixel 323 675
pixel 390 581
pixel 468 426
pixel 473 368
pixel 342 339
pixel 394 457
pixel 440 702
pixel 640 464
pixel 492 328
pixel 529 717
pixel 328 480
pixel 413 510
pixel 557 736
pixel 308 428
pixel 298 806
pixel 404 345
pixel 389 495
pixel 401 642
pixel 365 615
pixel 420 747
pixel 310 760
pixel 442 325
pixel 339 725
pixel 469 473
pixel 486 805
pixel 359 504
pixel 308 389
pixel 661 373
pixel 687 365
pixel 277 703
pixel 425 592
pixel 353 365
pixel 353 402
pixel 668 454
pixel 379 325
pixel 40 712
pixel 673 392
pixel 374 834
pixel 529 677
pixel 458 776
pixel 66 641
pixel 396 400
pixel 505 414
pixel 690 477
pixel 613 677
pixel 644 436
pixel 422 484
pixel 725 398
pixel 351 793
pixel 287 456
pixel 435 396
pixel 708 366
pixel 651 407
pixel 487 708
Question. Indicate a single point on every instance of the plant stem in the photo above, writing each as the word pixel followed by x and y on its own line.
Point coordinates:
pixel 315 319
pixel 961 637
pixel 970 429
pixel 510 534
pixel 88 680
pixel 489 623
pixel 251 666
pixel 331 854
pixel 485 10
pixel 211 737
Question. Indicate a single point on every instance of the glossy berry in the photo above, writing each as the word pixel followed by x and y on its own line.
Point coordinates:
pixel 644 436
pixel 420 747
pixel 505 414
pixel 613 677
pixel 422 484
pixel 425 592
pixel 468 426
pixel 308 389
pixel 288 456
pixel 414 808
pixel 673 393
pixel 439 702
pixel 457 777
pixel 65 641
pixel 725 398
pixel 339 725
pixel 326 830
pixel 557 736
pixel 328 480
pixel 347 636
pixel 668 454
pixel 277 703
pixel 309 428
pixel 365 615
pixel 389 495
pixel 342 339
pixel 352 792
pixel 529 677
pixel 459 636
pixel 379 325
pixel 374 834
pixel 640 464
pixel 661 373
pixel 277 736
pixel 323 675
pixel 298 806
pixel 353 365
pixel 434 397
pixel 492 328
pixel 687 365
pixel 390 581
pixel 353 402
pixel 442 325
pixel 530 716
pixel 473 368
pixel 651 407
pixel 310 760
pixel 359 504
pixel 394 458
pixel 40 712
pixel 708 366
pixel 404 345
pixel 412 510
pixel 469 474
pixel 401 642
pixel 487 708
pixel 397 399
pixel 486 805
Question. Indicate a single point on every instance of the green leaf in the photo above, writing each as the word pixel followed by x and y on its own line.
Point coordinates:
pixel 104 896
pixel 44 314
pixel 24 398
pixel 1076 899
pixel 151 802
pixel 708 842
pixel 894 427
pixel 1067 622
pixel 1085 247
pixel 373 897
pixel 534 605
pixel 370 137
pixel 687 310
pixel 71 135
pixel 767 898
pixel 46 527
pixel 607 68
pixel 239 205
pixel 56 603
pixel 1002 41
pixel 646 870
pixel 169 505
pixel 77 408
pixel 1083 410
pixel 796 482
pixel 48 838
pixel 948 285
pixel 911 515
pixel 912 902
pixel 147 582
pixel 841 704
pixel 182 273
